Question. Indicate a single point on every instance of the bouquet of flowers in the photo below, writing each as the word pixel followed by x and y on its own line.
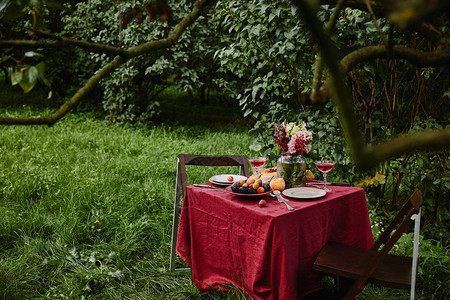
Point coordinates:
pixel 293 138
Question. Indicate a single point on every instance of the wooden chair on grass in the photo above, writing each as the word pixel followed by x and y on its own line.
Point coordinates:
pixel 181 183
pixel 376 266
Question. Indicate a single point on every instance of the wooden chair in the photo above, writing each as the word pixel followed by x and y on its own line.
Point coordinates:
pixel 375 266
pixel 181 183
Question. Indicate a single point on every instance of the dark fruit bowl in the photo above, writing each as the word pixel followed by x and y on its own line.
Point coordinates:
pixel 228 189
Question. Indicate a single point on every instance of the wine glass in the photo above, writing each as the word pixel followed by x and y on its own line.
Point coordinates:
pixel 325 167
pixel 257 163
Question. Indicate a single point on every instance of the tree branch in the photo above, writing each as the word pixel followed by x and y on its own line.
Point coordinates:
pixel 61 43
pixel 339 89
pixel 417 57
pixel 402 11
pixel 434 139
pixel 317 78
pixel 69 105
pixel 108 69
pixel 366 157
pixel 374 19
pixel 173 37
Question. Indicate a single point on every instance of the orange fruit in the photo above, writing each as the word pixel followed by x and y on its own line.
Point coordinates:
pixel 277 184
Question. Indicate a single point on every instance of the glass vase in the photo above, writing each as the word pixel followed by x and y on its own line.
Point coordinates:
pixel 292 168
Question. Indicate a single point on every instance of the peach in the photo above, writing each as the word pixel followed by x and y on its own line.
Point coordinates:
pixel 251 180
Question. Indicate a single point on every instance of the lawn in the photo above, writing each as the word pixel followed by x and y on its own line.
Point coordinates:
pixel 86 209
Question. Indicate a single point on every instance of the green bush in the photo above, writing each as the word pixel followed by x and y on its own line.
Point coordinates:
pixel 129 94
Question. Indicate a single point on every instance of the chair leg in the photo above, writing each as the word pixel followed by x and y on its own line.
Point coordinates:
pixel 343 285
pixel 416 219
pixel 175 220
pixel 337 289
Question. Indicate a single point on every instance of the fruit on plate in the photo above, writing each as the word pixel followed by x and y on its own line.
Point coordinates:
pixel 251 180
pixel 246 189
pixel 262 203
pixel 230 178
pixel 277 184
pixel 235 187
pixel 241 182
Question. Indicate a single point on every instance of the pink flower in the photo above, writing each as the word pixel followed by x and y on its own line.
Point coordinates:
pixel 308 148
pixel 291 146
pixel 292 138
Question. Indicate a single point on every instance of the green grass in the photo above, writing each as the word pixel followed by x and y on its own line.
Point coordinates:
pixel 86 209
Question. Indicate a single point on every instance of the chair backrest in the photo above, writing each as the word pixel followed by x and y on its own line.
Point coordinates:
pixel 209 160
pixel 181 183
pixel 410 208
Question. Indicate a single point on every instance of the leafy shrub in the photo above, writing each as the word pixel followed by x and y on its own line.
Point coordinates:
pixel 129 93
pixel 268 53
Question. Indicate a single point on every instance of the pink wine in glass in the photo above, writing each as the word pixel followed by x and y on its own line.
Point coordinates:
pixel 257 162
pixel 324 167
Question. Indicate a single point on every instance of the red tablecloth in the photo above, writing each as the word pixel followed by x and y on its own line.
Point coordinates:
pixel 268 252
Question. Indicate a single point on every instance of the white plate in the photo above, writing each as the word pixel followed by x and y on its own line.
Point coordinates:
pixel 223 179
pixel 304 193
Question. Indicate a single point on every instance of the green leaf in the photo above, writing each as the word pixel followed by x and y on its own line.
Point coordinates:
pixel 447 185
pixel 277 12
pixel 16 77
pixel 32 74
pixel 264 8
pixel 41 68
pixel 33 54
pixel 26 86
pixel 255 91
pixel 271 16
pixel 255 30
pixel 46 82
pixel 5 58
pixel 289 35
pixel 256 146
pixel 11 10
pixel 294 10
pixel 29 79
pixel 247 112
pixel 290 46
pixel 4 4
